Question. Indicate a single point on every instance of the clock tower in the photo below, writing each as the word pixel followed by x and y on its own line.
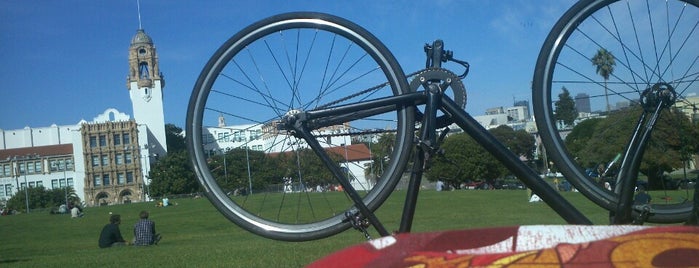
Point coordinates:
pixel 145 84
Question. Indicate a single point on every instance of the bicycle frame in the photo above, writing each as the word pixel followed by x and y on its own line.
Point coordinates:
pixel 433 100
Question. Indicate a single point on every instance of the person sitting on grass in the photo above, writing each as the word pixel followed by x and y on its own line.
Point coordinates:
pixel 144 231
pixel 110 235
pixel 642 198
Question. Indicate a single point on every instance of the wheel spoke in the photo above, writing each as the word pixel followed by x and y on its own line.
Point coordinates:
pixel 251 102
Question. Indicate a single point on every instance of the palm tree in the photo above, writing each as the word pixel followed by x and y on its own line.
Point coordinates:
pixel 604 61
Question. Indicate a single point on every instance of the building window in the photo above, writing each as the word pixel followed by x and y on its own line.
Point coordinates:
pixel 254 134
pixel 105 179
pixel 62 183
pixel 69 182
pixel 105 160
pixel 103 140
pixel 61 164
pixel 128 158
pixel 119 159
pixel 54 184
pixel 117 139
pixel 129 177
pixel 39 184
pixel 97 180
pixel 69 164
pixel 95 161
pixel 8 189
pixel 22 169
pixel 93 141
pixel 126 138
pixel 30 168
pixel 31 184
pixel 22 186
pixel 6 167
pixel 120 178
pixel 37 167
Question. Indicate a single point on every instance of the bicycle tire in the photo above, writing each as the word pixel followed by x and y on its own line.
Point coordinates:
pixel 282 60
pixel 652 43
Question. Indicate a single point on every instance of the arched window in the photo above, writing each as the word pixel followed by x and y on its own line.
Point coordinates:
pixel 143 71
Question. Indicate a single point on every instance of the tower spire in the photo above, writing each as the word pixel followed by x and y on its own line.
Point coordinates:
pixel 138 7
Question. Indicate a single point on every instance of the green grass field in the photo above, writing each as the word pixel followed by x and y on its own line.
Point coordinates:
pixel 196 235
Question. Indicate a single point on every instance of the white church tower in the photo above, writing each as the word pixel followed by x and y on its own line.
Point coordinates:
pixel 145 84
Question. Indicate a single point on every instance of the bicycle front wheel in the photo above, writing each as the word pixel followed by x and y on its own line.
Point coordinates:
pixel 624 64
pixel 268 180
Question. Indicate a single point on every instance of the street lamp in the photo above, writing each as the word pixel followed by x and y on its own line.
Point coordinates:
pixel 26 185
pixel 145 155
pixel 65 188
pixel 247 158
pixel 225 166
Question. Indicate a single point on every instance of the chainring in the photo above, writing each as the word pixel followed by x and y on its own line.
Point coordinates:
pixel 444 77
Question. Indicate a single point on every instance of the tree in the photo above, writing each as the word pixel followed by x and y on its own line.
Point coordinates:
pixel 463 160
pixel 234 175
pixel 601 140
pixel 307 166
pixel 40 197
pixel 565 108
pixel 580 136
pixel 172 175
pixel 519 142
pixel 175 139
pixel 379 153
pixel 604 62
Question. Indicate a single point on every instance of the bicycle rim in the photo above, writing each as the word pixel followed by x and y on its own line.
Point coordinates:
pixel 653 44
pixel 268 181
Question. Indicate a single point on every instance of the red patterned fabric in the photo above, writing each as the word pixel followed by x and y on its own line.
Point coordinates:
pixel 529 246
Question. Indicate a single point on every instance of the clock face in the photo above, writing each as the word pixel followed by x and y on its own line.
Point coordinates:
pixel 141 51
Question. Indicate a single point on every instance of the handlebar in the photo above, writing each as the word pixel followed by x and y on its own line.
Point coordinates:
pixel 436 54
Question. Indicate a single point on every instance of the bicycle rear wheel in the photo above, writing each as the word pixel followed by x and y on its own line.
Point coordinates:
pixel 651 47
pixel 267 180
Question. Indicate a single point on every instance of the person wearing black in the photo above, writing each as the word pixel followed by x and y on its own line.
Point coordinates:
pixel 642 198
pixel 110 235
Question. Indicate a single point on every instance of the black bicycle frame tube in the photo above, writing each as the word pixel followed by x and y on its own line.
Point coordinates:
pixel 427 135
pixel 628 174
pixel 532 180
pixel 339 114
pixel 341 178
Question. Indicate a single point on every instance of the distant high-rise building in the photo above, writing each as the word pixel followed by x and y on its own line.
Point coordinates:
pixel 495 110
pixel 525 104
pixel 582 103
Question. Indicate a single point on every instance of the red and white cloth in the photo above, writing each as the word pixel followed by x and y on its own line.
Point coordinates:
pixel 528 246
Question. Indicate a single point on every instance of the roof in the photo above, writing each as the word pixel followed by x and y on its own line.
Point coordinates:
pixel 49 150
pixel 141 38
pixel 353 153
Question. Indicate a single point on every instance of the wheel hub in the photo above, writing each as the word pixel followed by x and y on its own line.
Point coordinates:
pixel 660 93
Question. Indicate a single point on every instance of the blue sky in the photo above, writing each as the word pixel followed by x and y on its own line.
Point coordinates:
pixel 63 61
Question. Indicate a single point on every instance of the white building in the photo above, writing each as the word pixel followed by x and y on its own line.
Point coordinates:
pixel 105 160
pixel 335 139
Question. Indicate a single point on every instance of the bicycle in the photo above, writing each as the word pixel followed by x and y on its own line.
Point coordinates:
pixel 307 92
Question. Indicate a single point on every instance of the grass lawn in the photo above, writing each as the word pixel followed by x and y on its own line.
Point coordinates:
pixel 196 235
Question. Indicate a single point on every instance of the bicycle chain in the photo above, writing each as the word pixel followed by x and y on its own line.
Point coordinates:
pixel 361 92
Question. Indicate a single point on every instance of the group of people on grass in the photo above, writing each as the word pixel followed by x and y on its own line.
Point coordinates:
pixel 144 232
